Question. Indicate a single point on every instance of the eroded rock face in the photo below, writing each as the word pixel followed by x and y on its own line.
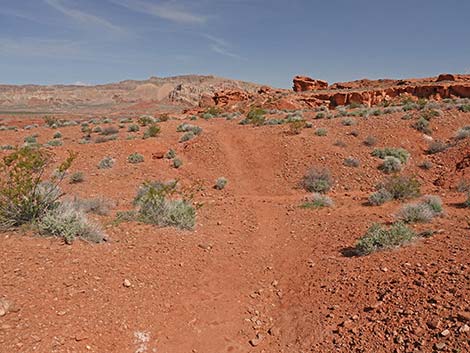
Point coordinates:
pixel 304 84
pixel 445 77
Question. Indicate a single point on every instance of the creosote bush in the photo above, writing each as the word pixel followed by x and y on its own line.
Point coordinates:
pixel 422 125
pixel 220 183
pixel 400 153
pixel 25 196
pixel 109 130
pixel 106 163
pixel 321 131
pixel 135 158
pixel 196 130
pixel 390 165
pixel 133 128
pixel 424 211
pixel 152 131
pixel 379 237
pixel 317 200
pixel 397 187
pixel 317 180
pixel 155 205
pixel 256 116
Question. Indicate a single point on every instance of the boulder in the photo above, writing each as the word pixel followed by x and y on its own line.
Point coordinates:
pixel 303 84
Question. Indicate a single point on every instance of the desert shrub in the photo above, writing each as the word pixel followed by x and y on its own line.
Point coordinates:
pixel 255 116
pixel 30 127
pixel 177 163
pixel 340 143
pixel 321 115
pixel 7 147
pixel 77 177
pixel 106 163
pixel 354 133
pixel 379 197
pixel 68 222
pixel 317 180
pixel 135 158
pixel 51 121
pixel 426 165
pixel 170 154
pixel 436 147
pixel 463 133
pixel 55 143
pixel 97 129
pixel 390 165
pixel 351 162
pixel 155 206
pixel 97 205
pixel 348 122
pixel 428 114
pixel 399 153
pixel 133 128
pixel 321 131
pixel 370 141
pixel 145 120
pixel 196 130
pixel 152 131
pixel 109 130
pixel 24 195
pixel 187 136
pixel 30 140
pixel 57 135
pixel 422 125
pixel 464 108
pixel 220 183
pixel 125 120
pixel 379 237
pixel 402 187
pixel 423 211
pixel 317 200
pixel 104 139
pixel 296 126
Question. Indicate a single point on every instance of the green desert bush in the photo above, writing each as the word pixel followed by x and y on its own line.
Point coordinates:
pixel 133 128
pixel 424 211
pixel 321 131
pixel 426 165
pixel 69 223
pixel 256 116
pixel 106 138
pixel 177 163
pixel 155 205
pixel 220 183
pixel 77 177
pixel 135 158
pixel 30 140
pixel 187 136
pixel 55 143
pixel 402 187
pixel 379 197
pixel 170 154
pixel 152 131
pixel 379 238
pixel 390 165
pixel 196 130
pixel 370 141
pixel 463 133
pixel 97 205
pixel 436 147
pixel 57 135
pixel 106 163
pixel 25 196
pixel 400 153
pixel 351 162
pixel 317 200
pixel 317 180
pixel 145 120
pixel 348 122
pixel 422 125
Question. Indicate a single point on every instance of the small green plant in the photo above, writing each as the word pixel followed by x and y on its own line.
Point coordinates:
pixel 464 108
pixel 104 139
pixel 97 129
pixel 98 205
pixel 379 237
pixel 106 163
pixel 135 158
pixel 422 125
pixel 317 200
pixel 55 143
pixel 24 195
pixel 379 197
pixel 348 122
pixel 351 162
pixel 402 187
pixel 196 130
pixel 57 135
pixel 177 163
pixel 109 130
pixel 436 147
pixel 256 116
pixel 426 165
pixel 145 120
pixel 170 154
pixel 30 140
pixel 152 131
pixel 400 153
pixel 187 136
pixel 220 183
pixel 77 177
pixel 296 126
pixel 370 141
pixel 317 180
pixel 51 121
pixel 133 128
pixel 390 165
pixel 424 211
pixel 321 131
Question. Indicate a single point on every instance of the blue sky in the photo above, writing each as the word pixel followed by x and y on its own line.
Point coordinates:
pixel 265 41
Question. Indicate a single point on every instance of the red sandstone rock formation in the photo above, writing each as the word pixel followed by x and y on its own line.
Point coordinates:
pixel 304 84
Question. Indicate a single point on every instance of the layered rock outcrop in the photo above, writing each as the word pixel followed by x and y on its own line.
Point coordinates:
pixel 305 84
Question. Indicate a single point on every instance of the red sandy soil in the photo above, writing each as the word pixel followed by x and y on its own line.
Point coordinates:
pixel 257 265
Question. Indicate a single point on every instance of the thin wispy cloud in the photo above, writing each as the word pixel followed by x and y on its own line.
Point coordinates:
pixel 169 10
pixel 34 47
pixel 84 17
pixel 220 46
